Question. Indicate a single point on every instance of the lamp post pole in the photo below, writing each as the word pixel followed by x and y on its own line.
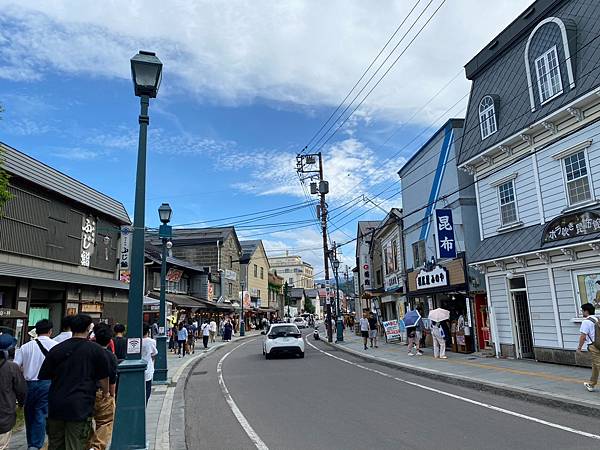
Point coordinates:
pixel 130 417
pixel 339 321
pixel 242 318
pixel 165 233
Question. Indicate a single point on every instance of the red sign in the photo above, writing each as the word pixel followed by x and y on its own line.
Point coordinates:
pixel 174 275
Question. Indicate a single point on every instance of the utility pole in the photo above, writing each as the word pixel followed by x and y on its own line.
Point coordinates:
pixel 305 165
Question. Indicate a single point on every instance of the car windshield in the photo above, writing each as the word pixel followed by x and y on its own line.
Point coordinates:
pixel 284 330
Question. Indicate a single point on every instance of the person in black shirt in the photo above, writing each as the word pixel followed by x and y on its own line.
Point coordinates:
pixel 373 328
pixel 76 368
pixel 120 342
pixel 104 410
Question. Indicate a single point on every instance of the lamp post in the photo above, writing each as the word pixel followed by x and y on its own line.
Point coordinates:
pixel 339 322
pixel 242 318
pixel 165 233
pixel 130 417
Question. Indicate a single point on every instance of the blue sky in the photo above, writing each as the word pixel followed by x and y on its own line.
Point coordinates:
pixel 244 89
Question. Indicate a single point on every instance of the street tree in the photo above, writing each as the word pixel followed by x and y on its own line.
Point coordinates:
pixel 308 306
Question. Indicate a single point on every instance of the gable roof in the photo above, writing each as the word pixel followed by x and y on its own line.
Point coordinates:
pixel 248 249
pixel 296 292
pixel 24 166
pixel 199 236
pixel 155 255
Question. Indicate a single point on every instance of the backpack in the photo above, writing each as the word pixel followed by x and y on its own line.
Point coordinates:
pixel 596 341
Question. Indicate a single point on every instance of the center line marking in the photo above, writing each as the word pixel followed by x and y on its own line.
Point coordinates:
pixel 256 440
pixel 463 399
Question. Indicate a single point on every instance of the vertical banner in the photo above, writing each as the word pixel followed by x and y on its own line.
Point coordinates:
pixel 124 263
pixel 445 233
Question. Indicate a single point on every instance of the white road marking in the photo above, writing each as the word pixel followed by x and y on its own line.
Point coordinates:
pixel 233 406
pixel 463 399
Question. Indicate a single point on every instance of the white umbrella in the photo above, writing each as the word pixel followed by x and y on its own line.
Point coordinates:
pixel 439 315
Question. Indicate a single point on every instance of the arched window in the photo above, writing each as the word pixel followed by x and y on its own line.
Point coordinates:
pixel 487 117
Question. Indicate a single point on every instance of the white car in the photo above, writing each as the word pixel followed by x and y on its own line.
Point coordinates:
pixel 283 338
pixel 300 322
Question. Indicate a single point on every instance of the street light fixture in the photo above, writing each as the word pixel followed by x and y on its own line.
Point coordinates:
pixel 130 416
pixel 165 233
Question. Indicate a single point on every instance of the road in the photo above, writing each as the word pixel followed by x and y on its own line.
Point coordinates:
pixel 332 400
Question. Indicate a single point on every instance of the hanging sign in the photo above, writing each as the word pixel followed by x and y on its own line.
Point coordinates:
pixel 436 277
pixel 124 269
pixel 174 275
pixel 88 240
pixel 445 233
pixel 571 225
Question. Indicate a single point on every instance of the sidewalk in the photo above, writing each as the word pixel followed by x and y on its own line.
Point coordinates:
pixel 159 411
pixel 550 384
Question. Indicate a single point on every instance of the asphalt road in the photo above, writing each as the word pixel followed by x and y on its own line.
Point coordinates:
pixel 333 400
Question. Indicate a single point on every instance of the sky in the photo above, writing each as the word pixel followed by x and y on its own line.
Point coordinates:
pixel 246 86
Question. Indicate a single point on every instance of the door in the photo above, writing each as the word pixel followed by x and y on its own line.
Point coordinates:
pixel 523 325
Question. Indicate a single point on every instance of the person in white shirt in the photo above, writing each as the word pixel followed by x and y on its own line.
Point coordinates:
pixel 30 358
pixel 364 328
pixel 587 337
pixel 66 330
pixel 213 330
pixel 205 328
pixel 149 352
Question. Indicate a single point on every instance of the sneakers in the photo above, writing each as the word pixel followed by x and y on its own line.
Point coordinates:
pixel 589 387
pixel 443 357
pixel 419 353
pixel 411 354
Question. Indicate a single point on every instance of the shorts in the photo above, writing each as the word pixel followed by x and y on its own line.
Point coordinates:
pixel 411 333
pixel 364 334
pixel 373 333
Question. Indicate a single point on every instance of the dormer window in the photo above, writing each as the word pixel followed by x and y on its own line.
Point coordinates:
pixel 487 117
pixel 548 75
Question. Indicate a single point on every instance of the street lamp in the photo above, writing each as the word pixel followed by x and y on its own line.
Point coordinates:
pixel 165 233
pixel 243 319
pixel 339 321
pixel 130 417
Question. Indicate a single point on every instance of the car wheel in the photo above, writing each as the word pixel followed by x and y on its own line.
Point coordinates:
pixel 301 354
pixel 267 356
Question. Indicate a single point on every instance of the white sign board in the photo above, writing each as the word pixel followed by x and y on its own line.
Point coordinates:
pixel 134 345
pixel 433 278
pixel 392 330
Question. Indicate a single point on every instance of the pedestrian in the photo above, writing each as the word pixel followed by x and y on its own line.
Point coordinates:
pixel 373 326
pixel 120 342
pixel 364 329
pixel 154 329
pixel 414 347
pixel 205 329
pixel 149 352
pixel 227 330
pixel 590 336
pixel 65 330
pixel 104 407
pixel 13 389
pixel 439 341
pixel 213 330
pixel 174 331
pixel 182 335
pixel 30 358
pixel 191 341
pixel 76 368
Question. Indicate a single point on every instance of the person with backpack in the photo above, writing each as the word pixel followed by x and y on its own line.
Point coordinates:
pixel 30 358
pixel 590 336
pixel 12 389
pixel 439 341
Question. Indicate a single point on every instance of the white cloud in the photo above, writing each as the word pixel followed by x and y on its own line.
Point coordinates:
pixel 300 52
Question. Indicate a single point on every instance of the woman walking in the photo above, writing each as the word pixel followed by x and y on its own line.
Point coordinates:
pixel 439 343
pixel 182 335
pixel 227 330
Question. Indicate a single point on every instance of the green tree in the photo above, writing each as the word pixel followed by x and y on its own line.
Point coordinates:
pixel 308 306
pixel 4 192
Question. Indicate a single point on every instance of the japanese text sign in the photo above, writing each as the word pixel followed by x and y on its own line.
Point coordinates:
pixel 445 233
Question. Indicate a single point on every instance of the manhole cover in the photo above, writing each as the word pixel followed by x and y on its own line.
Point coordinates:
pixel 200 372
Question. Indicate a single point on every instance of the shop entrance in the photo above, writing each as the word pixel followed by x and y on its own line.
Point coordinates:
pixel 46 304
pixel 524 345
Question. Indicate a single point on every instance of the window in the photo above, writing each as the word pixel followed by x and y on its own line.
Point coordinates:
pixel 419 253
pixel 262 273
pixel 258 293
pixel 230 287
pixel 255 271
pixel 378 277
pixel 230 262
pixel 548 75
pixel 508 203
pixel 487 117
pixel 577 178
pixel 395 255
pixel 291 280
pixel 587 286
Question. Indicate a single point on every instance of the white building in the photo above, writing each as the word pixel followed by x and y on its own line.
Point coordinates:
pixel 294 271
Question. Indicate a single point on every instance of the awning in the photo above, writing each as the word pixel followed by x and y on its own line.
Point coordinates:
pixel 194 303
pixel 36 273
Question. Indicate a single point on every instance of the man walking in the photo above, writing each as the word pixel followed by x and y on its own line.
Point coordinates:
pixel 104 407
pixel 12 389
pixel 76 368
pixel 120 342
pixel 213 330
pixel 149 352
pixel 373 328
pixel 364 329
pixel 65 330
pixel 588 336
pixel 205 328
pixel 30 358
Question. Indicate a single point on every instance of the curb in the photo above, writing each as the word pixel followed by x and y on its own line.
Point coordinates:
pixel 555 401
pixel 162 437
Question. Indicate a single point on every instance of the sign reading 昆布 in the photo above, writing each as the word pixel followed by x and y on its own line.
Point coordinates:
pixel 445 233
pixel 436 277
pixel 392 330
pixel 572 225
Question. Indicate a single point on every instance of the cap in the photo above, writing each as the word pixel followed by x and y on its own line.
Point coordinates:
pixel 7 341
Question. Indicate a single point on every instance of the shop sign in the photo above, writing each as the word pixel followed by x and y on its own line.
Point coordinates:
pixel 246 299
pixel 366 276
pixel 91 308
pixel 124 269
pixel 428 279
pixel 211 291
pixel 174 275
pixel 230 275
pixel 571 225
pixel 445 233
pixel 8 313
pixel 88 240
pixel 392 330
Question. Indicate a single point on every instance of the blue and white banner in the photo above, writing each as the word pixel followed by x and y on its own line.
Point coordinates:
pixel 445 233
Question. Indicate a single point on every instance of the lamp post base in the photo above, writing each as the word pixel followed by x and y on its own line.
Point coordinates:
pixel 160 365
pixel 340 330
pixel 129 430
pixel 242 328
